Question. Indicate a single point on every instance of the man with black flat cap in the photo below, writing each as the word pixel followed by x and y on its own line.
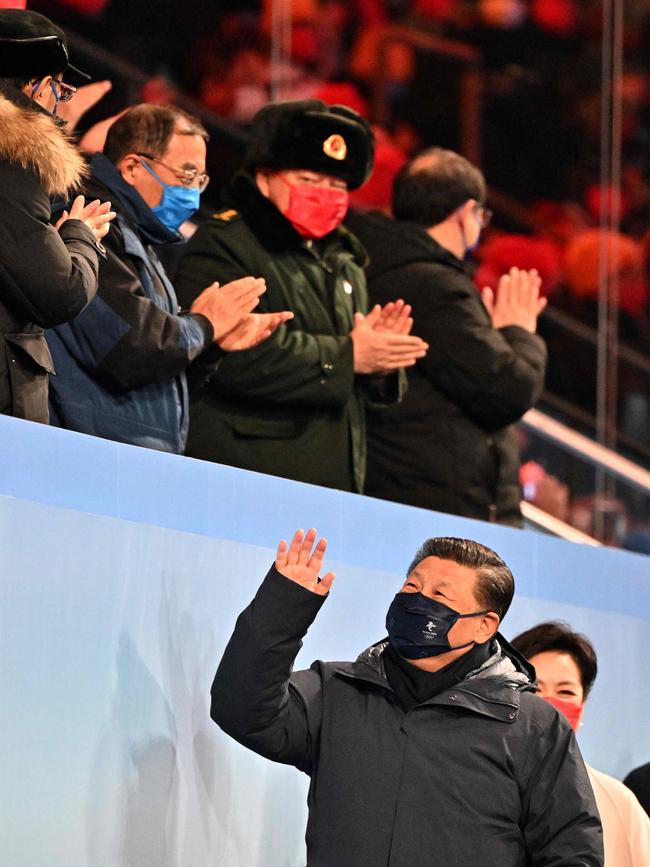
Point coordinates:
pixel 47 273
pixel 294 406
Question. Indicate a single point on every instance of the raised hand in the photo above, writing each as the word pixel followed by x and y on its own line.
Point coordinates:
pixel 226 306
pixel 517 301
pixel 300 564
pixel 96 215
pixel 87 96
pixel 379 350
pixel 94 139
pixel 252 330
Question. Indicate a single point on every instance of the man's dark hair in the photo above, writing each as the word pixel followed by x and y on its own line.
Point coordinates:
pixel 495 586
pixel 15 82
pixel 148 129
pixel 554 635
pixel 432 185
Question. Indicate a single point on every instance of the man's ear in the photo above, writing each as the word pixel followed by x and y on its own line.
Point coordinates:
pixel 466 209
pixel 262 181
pixel 128 166
pixel 43 90
pixel 488 627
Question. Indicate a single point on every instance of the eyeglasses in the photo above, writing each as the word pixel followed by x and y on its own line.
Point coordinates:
pixel 187 177
pixel 483 215
pixel 65 94
pixel 66 91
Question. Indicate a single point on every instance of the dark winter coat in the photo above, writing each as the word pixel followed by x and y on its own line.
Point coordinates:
pixel 483 773
pixel 292 406
pixel 121 364
pixel 450 445
pixel 46 276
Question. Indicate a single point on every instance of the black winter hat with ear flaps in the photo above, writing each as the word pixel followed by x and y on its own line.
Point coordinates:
pixel 309 134
pixel 32 46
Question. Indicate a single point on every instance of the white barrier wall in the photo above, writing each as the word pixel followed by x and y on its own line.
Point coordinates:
pixel 122 573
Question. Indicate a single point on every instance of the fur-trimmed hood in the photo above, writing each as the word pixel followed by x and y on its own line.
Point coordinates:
pixel 29 138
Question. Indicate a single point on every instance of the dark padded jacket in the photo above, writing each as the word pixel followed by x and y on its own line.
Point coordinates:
pixel 293 406
pixel 484 773
pixel 46 276
pixel 122 363
pixel 450 445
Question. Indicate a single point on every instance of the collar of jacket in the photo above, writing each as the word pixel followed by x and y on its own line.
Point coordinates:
pixel 35 140
pixel 149 226
pixel 437 251
pixel 395 244
pixel 492 690
pixel 272 229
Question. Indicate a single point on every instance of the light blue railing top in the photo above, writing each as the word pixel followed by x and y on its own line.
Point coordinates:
pixel 75 471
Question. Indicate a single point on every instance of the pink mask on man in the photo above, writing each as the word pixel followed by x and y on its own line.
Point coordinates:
pixel 315 211
pixel 571 711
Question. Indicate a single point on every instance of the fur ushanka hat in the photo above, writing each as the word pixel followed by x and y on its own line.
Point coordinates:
pixel 309 134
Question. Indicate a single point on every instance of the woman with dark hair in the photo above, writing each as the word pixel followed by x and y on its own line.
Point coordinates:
pixel 566 666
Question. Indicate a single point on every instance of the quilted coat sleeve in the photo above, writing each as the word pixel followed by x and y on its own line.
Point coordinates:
pixel 47 276
pixel 255 698
pixel 561 823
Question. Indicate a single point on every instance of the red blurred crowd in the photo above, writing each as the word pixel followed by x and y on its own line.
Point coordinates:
pixel 541 64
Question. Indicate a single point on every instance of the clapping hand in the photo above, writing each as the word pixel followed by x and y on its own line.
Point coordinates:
pixel 300 564
pixel 382 342
pixel 517 301
pixel 253 330
pixel 226 306
pixel 96 215
pixel 394 317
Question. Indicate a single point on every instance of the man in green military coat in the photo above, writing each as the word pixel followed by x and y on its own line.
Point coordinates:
pixel 294 406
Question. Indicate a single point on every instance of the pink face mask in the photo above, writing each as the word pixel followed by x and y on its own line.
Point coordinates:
pixel 571 711
pixel 315 211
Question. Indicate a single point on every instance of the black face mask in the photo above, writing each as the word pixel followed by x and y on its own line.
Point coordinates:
pixel 418 626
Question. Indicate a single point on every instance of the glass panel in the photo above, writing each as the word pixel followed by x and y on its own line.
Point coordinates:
pixel 573 489
pixel 550 99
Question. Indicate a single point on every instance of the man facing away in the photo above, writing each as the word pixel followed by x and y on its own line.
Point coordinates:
pixel 48 274
pixel 121 366
pixel 295 406
pixel 431 748
pixel 450 444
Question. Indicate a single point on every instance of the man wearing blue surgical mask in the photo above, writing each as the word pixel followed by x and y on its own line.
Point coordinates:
pixel 122 367
pixel 431 748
